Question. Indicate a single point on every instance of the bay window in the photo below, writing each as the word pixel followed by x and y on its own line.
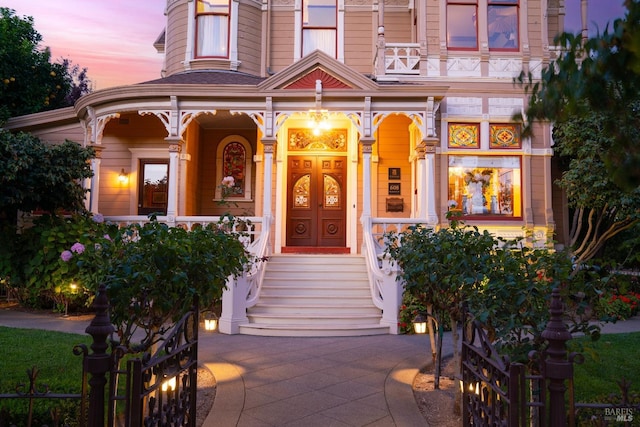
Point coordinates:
pixel 212 28
pixel 502 24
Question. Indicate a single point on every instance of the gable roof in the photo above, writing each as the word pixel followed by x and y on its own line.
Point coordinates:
pixel 318 66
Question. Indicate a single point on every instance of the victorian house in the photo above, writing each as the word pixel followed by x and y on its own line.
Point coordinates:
pixel 338 120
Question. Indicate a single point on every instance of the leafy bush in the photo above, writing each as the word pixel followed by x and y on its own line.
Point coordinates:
pixel 152 272
pixel 504 284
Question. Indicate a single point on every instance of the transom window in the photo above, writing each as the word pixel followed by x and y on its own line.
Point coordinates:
pixel 319 26
pixel 212 28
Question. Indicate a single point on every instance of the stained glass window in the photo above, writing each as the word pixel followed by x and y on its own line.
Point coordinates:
pixel 504 136
pixel 464 135
pixel 234 164
pixel 331 192
pixel 300 192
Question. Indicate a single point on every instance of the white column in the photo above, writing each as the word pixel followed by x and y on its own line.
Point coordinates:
pixel 174 170
pixel 366 175
pixel 234 306
pixel 421 172
pixel 430 172
pixel 267 165
pixel 94 183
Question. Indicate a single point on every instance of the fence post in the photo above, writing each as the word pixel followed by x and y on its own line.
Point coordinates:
pixel 557 368
pixel 97 363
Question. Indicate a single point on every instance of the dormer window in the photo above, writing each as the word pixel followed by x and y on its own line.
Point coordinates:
pixel 212 28
pixel 319 26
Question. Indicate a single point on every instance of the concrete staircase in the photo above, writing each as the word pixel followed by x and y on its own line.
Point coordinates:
pixel 313 296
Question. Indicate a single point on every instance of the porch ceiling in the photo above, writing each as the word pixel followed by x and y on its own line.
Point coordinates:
pixel 224 119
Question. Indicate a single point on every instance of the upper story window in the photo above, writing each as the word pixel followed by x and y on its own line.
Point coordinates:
pixel 502 24
pixel 319 26
pixel 212 28
pixel 462 24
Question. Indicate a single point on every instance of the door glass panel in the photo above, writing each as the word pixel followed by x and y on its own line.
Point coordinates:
pixel 301 192
pixel 153 191
pixel 331 192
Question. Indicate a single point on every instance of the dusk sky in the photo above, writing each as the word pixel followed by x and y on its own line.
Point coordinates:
pixel 113 39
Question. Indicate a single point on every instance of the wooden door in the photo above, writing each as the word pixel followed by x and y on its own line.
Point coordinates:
pixel 316 201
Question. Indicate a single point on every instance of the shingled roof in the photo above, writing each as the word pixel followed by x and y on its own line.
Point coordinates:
pixel 221 77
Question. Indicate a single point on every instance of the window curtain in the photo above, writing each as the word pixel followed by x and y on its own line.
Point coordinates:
pixel 213 31
pixel 324 40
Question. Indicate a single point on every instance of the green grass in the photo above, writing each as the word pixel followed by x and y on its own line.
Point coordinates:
pixel 51 352
pixel 60 371
pixel 607 361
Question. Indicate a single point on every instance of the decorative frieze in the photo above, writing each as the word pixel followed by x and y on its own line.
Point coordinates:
pixel 463 67
pixel 505 107
pixel 505 67
pixel 464 106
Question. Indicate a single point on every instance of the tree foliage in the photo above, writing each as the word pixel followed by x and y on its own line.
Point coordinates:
pixel 35 175
pixel 600 74
pixel 29 81
pixel 601 209
pixel 504 284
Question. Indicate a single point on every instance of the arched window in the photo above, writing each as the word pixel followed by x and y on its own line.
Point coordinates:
pixel 234 160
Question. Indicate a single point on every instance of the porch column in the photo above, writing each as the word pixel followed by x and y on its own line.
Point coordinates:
pixel 94 182
pixel 269 145
pixel 430 172
pixel 172 196
pixel 421 170
pixel 367 144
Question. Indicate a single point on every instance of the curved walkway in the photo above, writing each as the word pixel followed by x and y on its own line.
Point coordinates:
pixel 277 382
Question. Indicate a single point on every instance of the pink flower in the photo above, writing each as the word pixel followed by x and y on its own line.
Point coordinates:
pixel 77 248
pixel 228 181
pixel 107 237
pixel 66 255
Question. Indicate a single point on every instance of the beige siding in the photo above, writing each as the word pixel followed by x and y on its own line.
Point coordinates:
pixel 282 36
pixel 140 132
pixel 249 38
pixel 433 27
pixel 59 134
pixel 538 184
pixel 176 38
pixel 534 19
pixel 397 27
pixel 359 45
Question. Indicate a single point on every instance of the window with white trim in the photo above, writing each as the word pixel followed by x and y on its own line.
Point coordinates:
pixel 319 26
pixel 501 25
pixel 212 28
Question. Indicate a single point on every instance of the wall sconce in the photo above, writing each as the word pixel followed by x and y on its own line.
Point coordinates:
pixel 319 121
pixel 210 321
pixel 123 177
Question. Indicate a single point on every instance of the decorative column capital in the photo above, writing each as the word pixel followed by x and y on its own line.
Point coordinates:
pixel 269 144
pixel 97 149
pixel 367 144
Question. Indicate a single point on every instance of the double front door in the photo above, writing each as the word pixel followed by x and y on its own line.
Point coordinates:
pixel 316 206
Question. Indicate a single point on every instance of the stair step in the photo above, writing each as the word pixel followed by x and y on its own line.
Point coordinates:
pixel 315 295
pixel 312 331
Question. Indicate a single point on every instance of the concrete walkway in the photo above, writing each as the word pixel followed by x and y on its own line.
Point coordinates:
pixel 276 382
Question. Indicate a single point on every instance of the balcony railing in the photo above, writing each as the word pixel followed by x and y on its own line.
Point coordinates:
pixel 402 58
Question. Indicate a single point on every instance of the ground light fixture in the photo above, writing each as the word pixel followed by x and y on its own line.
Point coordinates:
pixel 420 327
pixel 210 321
pixel 169 384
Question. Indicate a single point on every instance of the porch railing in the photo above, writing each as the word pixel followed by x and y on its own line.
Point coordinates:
pixel 386 292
